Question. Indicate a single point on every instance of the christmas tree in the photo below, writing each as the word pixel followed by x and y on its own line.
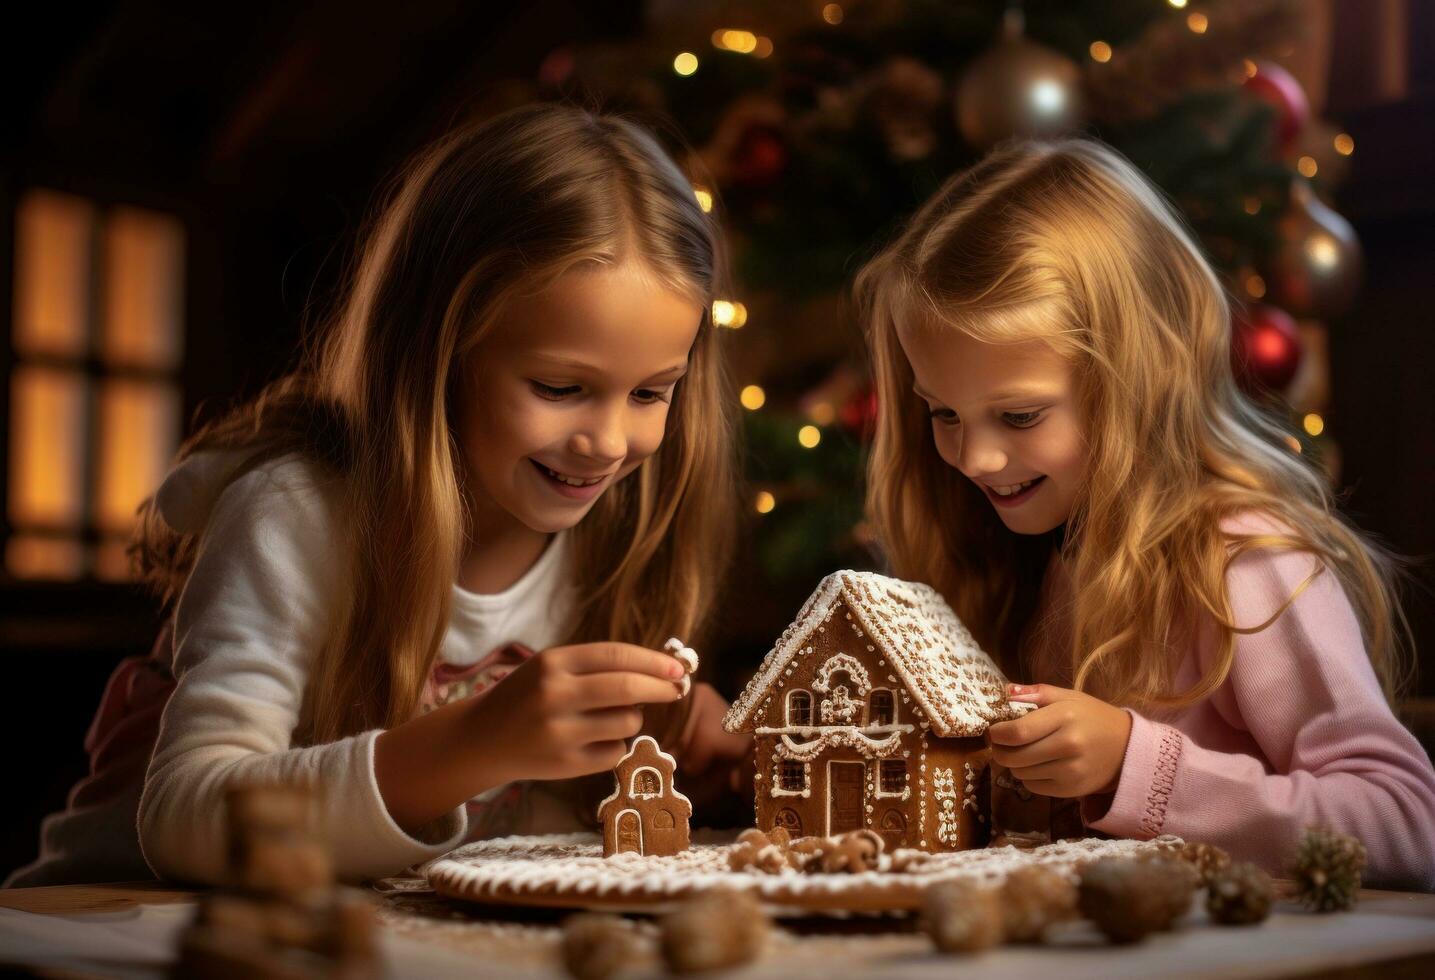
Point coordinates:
pixel 816 129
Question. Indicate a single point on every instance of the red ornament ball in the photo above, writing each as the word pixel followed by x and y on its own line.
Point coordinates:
pixel 859 415
pixel 760 157
pixel 1274 85
pixel 1265 348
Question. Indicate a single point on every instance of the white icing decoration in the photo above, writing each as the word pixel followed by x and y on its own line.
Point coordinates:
pixel 944 791
pixel 832 738
pixel 822 681
pixel 776 785
pixel 969 787
pixel 840 708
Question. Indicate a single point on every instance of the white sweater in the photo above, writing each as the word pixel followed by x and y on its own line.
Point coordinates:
pixel 246 628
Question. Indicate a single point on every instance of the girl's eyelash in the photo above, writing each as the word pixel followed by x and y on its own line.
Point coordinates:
pixel 644 396
pixel 553 393
pixel 944 415
pixel 1022 420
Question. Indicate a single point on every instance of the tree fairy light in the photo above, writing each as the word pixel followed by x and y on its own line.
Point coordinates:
pixel 753 397
pixel 809 436
pixel 1314 424
pixel 704 196
pixel 729 313
pixel 1100 51
pixel 765 502
pixel 685 63
pixel 740 42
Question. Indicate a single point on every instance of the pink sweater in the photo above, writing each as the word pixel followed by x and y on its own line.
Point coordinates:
pixel 1299 734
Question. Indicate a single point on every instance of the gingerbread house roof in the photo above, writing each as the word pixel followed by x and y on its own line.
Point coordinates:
pixel 954 682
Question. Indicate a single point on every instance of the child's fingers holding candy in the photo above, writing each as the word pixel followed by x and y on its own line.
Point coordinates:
pixel 617 688
pixel 593 658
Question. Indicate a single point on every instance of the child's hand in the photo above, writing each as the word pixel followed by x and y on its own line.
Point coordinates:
pixel 716 763
pixel 568 711
pixel 1072 745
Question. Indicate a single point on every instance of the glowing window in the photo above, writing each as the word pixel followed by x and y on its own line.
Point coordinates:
pixel 97 330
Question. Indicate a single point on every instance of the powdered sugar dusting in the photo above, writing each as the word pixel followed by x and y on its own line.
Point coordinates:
pixel 571 867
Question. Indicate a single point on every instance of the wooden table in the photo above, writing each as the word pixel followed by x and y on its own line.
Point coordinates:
pixel 1389 935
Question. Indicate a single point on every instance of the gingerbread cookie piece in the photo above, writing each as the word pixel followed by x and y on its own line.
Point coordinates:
pixel 282 914
pixel 645 814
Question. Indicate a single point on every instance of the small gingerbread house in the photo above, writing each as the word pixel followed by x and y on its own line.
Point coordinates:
pixel 871 711
pixel 645 813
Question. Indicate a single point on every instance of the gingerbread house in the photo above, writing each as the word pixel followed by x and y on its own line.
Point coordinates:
pixel 645 813
pixel 871 711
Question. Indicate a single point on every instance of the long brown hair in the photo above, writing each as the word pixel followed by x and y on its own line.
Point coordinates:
pixel 1067 243
pixel 491 208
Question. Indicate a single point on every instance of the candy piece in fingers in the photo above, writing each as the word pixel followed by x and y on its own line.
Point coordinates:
pixel 687 657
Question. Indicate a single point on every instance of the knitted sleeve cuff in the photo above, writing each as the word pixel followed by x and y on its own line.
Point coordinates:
pixel 1143 793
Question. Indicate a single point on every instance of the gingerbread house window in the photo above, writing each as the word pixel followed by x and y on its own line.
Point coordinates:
pixel 892 777
pixel 792 776
pixel 881 708
pixel 799 709
pixel 646 784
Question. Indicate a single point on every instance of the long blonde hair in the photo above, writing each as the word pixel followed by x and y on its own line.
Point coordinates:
pixel 489 209
pixel 1066 242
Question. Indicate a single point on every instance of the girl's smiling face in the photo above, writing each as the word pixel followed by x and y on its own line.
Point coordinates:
pixel 1006 416
pixel 570 393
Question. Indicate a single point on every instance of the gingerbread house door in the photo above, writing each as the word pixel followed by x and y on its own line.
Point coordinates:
pixel 844 796
pixel 630 832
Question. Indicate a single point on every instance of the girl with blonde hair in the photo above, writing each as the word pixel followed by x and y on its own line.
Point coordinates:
pixel 1063 452
pixel 514 436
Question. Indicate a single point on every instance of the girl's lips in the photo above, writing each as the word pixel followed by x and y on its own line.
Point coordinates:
pixel 568 490
pixel 1016 499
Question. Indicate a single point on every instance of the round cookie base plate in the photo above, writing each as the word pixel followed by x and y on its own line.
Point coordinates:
pixel 569 871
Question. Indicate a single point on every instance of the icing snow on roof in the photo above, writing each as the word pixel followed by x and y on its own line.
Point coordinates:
pixel 953 680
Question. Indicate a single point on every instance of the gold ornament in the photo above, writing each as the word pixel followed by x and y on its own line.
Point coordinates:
pixel 1315 270
pixel 1018 88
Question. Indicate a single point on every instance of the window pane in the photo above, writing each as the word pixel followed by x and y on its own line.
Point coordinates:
pixel 53 240
pixel 893 776
pixel 143 289
pixel 139 431
pixel 47 445
pixel 30 556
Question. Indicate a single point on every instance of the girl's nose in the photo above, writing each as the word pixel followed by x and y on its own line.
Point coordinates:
pixel 977 457
pixel 602 439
